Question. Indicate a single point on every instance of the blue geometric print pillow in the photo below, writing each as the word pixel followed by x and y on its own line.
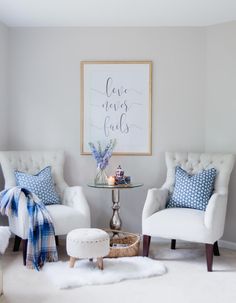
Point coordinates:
pixel 192 191
pixel 40 184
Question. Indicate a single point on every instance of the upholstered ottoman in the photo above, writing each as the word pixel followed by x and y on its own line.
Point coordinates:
pixel 87 243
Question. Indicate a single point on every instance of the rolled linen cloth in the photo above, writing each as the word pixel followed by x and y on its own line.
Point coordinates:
pixel 4 238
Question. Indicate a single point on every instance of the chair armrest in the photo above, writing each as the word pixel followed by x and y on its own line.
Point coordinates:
pixel 19 225
pixel 155 201
pixel 75 198
pixel 4 238
pixel 215 212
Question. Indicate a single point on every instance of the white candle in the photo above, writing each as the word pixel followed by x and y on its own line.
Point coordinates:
pixel 111 180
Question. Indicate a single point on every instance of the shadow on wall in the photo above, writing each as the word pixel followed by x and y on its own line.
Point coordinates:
pixel 3 220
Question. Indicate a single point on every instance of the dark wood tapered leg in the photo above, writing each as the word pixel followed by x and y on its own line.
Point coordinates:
pixel 57 240
pixel 209 256
pixel 216 249
pixel 146 245
pixel 173 244
pixel 24 242
pixel 17 243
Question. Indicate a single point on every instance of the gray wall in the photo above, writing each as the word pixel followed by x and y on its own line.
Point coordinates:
pixel 194 77
pixel 221 104
pixel 3 85
pixel 45 100
pixel 3 95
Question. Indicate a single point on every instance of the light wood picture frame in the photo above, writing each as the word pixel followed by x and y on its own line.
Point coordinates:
pixel 116 103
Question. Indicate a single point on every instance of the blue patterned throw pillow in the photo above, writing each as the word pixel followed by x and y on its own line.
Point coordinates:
pixel 41 184
pixel 192 191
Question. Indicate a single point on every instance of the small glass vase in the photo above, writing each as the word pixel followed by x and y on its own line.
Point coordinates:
pixel 101 177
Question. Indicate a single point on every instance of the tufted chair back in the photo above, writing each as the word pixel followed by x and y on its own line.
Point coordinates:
pixel 195 162
pixel 32 162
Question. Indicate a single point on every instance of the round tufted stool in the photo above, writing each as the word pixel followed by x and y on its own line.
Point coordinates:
pixel 87 243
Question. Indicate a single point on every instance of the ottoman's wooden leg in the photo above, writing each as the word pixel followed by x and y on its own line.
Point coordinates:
pixel 72 262
pixel 100 263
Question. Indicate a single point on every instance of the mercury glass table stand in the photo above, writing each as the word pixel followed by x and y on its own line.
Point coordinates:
pixel 116 222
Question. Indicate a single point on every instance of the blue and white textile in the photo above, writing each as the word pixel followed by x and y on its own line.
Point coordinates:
pixel 40 184
pixel 41 238
pixel 192 191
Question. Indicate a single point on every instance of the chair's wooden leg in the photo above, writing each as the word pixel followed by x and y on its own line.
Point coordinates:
pixel 173 244
pixel 100 263
pixel 209 256
pixel 16 243
pixel 25 243
pixel 146 245
pixel 72 262
pixel 216 249
pixel 57 240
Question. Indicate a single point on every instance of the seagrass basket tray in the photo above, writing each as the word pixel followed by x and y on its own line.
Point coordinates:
pixel 123 244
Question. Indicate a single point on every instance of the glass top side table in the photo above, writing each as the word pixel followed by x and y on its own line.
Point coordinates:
pixel 115 222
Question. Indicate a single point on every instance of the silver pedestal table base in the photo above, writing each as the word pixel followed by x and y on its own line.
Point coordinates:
pixel 115 222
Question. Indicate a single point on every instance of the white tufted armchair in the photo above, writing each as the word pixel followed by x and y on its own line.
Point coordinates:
pixel 185 223
pixel 74 211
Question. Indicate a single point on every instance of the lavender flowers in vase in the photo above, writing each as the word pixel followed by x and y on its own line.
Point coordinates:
pixel 102 157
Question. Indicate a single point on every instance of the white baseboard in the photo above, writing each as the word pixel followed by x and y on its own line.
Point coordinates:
pixel 227 244
pixel 221 243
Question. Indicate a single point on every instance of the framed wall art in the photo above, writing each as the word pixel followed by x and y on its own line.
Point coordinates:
pixel 116 104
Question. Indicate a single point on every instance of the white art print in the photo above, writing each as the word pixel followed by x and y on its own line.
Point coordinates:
pixel 116 104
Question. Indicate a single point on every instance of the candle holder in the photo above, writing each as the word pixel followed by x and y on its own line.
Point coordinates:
pixel 111 180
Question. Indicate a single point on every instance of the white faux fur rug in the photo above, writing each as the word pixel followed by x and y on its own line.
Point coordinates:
pixel 115 270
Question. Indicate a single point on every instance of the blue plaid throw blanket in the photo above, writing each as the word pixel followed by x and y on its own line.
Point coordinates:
pixel 41 245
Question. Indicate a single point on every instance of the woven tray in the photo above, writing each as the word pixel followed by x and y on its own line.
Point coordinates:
pixel 123 238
